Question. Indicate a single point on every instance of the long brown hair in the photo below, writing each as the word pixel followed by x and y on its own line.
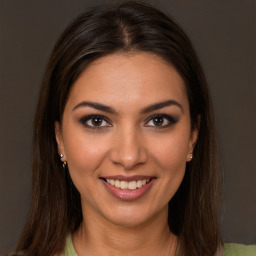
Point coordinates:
pixel 55 207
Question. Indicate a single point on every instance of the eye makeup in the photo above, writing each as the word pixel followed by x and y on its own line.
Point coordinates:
pixel 95 121
pixel 160 121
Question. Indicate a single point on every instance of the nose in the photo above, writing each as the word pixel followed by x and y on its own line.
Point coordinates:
pixel 128 149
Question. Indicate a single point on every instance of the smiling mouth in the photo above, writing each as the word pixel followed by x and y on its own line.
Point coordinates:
pixel 130 185
pixel 128 188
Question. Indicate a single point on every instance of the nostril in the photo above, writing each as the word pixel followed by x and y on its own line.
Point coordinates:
pixel 128 157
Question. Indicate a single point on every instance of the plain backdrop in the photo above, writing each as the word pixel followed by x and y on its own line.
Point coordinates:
pixel 224 35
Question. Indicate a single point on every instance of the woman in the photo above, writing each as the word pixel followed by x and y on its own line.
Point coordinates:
pixel 125 158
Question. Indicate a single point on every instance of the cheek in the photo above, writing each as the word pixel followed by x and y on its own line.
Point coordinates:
pixel 172 151
pixel 170 156
pixel 173 164
pixel 84 153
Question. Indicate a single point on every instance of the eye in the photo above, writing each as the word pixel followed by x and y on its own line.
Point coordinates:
pixel 160 121
pixel 95 121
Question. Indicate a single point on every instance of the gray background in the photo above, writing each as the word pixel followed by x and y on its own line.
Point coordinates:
pixel 224 35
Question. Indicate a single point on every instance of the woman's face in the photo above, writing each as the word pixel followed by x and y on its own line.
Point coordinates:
pixel 126 137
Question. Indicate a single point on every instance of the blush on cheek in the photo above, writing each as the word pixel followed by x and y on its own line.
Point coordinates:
pixel 172 162
pixel 84 155
pixel 171 153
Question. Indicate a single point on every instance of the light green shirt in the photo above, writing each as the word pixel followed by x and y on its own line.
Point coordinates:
pixel 69 249
pixel 230 249
pixel 240 250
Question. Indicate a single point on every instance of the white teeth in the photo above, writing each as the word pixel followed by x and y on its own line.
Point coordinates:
pixel 124 184
pixel 132 185
pixel 139 183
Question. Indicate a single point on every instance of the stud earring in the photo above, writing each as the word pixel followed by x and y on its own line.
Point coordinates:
pixel 190 158
pixel 60 155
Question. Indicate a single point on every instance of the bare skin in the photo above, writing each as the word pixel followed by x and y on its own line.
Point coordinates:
pixel 143 129
pixel 146 239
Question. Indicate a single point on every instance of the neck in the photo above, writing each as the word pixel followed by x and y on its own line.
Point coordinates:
pixel 97 236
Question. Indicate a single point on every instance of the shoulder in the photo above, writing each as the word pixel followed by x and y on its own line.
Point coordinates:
pixel 239 250
pixel 69 249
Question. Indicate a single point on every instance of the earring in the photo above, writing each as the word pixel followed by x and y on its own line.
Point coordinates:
pixel 190 158
pixel 64 164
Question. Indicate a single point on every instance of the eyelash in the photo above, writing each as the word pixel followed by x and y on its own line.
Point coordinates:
pixel 166 118
pixel 170 120
pixel 86 119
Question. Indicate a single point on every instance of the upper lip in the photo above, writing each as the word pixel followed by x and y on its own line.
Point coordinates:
pixel 128 178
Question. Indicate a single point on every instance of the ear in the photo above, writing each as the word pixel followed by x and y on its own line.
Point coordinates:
pixel 193 139
pixel 59 140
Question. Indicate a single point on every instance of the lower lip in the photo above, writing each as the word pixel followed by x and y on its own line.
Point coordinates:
pixel 127 194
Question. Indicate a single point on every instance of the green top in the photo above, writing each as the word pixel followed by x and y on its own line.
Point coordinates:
pixel 230 249
pixel 69 249
pixel 239 250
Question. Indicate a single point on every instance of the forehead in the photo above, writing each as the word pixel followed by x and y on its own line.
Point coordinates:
pixel 140 78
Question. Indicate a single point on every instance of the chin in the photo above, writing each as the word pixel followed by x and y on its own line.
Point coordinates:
pixel 131 217
pixel 128 221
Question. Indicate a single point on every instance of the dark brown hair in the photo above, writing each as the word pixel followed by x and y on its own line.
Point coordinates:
pixel 112 28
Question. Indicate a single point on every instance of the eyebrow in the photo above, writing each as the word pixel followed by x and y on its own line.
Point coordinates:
pixel 96 106
pixel 161 105
pixel 145 110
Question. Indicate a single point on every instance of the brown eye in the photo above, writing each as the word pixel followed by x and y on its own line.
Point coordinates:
pixel 97 121
pixel 158 121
